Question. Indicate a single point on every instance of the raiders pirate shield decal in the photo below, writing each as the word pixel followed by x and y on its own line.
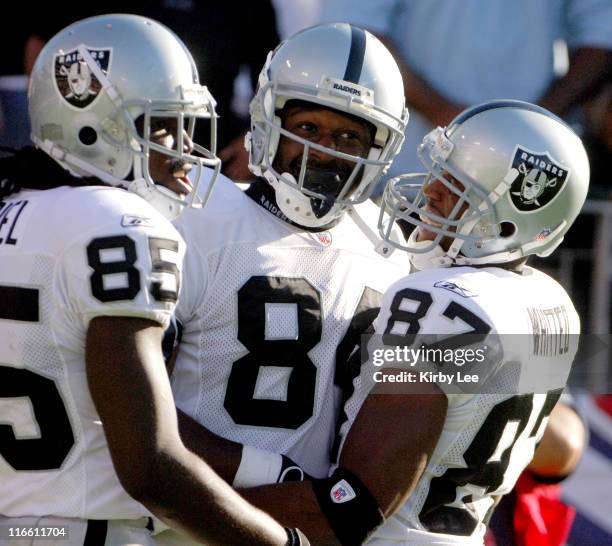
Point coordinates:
pixel 538 178
pixel 75 80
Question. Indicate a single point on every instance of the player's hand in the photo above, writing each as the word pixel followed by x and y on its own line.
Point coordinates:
pixel 236 160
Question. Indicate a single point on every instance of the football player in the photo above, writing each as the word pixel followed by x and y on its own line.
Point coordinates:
pixel 282 279
pixel 505 180
pixel 90 276
pixel 425 462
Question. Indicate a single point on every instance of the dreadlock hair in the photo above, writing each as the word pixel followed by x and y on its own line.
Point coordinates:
pixel 30 168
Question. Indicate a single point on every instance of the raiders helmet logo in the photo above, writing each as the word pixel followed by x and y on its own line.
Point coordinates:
pixel 537 179
pixel 74 79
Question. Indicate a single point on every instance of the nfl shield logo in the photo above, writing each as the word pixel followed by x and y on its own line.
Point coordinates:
pixel 538 179
pixel 339 494
pixel 325 238
pixel 342 492
pixel 74 78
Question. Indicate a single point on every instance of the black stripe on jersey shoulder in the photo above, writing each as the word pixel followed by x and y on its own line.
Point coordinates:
pixel 356 55
pixel 19 303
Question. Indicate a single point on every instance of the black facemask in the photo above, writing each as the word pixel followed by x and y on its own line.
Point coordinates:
pixel 327 179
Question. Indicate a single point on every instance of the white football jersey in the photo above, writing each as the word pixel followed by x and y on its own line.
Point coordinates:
pixel 69 255
pixel 490 432
pixel 270 313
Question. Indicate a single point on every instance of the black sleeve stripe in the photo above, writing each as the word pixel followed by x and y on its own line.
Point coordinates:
pixel 18 303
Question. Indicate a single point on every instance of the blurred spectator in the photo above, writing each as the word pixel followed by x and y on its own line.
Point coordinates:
pixel 223 37
pixel 20 45
pixel 296 15
pixel 460 53
pixel 598 141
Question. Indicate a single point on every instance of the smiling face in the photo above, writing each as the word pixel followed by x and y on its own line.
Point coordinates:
pixel 337 131
pixel 165 170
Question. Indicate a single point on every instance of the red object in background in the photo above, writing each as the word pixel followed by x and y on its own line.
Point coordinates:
pixel 604 402
pixel 489 538
pixel 540 518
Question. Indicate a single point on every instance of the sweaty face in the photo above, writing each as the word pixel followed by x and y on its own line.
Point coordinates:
pixel 441 201
pixel 325 174
pixel 166 170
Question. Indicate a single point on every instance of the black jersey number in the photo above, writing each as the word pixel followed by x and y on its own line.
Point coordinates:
pixel 486 461
pixel 49 449
pixel 116 278
pixel 420 302
pixel 256 300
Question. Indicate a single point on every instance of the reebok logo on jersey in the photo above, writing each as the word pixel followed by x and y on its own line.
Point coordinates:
pixel 342 492
pixel 136 221
pixel 452 287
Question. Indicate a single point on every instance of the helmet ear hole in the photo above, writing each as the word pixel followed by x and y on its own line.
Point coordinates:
pixel 88 135
pixel 507 229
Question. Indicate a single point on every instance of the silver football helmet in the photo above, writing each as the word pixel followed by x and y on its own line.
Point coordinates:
pixel 95 78
pixel 337 66
pixel 520 175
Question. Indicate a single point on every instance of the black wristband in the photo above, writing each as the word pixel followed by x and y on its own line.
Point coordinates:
pixel 348 505
pixel 295 537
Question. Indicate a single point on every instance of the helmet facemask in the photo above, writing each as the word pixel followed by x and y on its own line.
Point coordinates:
pixel 186 154
pixel 309 198
pixel 523 177
pixel 309 192
pixel 472 218
pixel 99 137
pixel 345 69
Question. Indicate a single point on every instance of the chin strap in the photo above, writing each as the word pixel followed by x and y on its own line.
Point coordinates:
pixel 160 198
pixel 295 205
pixel 74 164
pixel 436 257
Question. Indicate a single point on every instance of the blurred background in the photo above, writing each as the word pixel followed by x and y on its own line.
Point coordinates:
pixel 452 53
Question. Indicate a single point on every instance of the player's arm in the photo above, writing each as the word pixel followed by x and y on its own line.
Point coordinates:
pixel 420 95
pixel 385 452
pixel 588 68
pixel 562 444
pixel 238 464
pixel 222 455
pixel 130 388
